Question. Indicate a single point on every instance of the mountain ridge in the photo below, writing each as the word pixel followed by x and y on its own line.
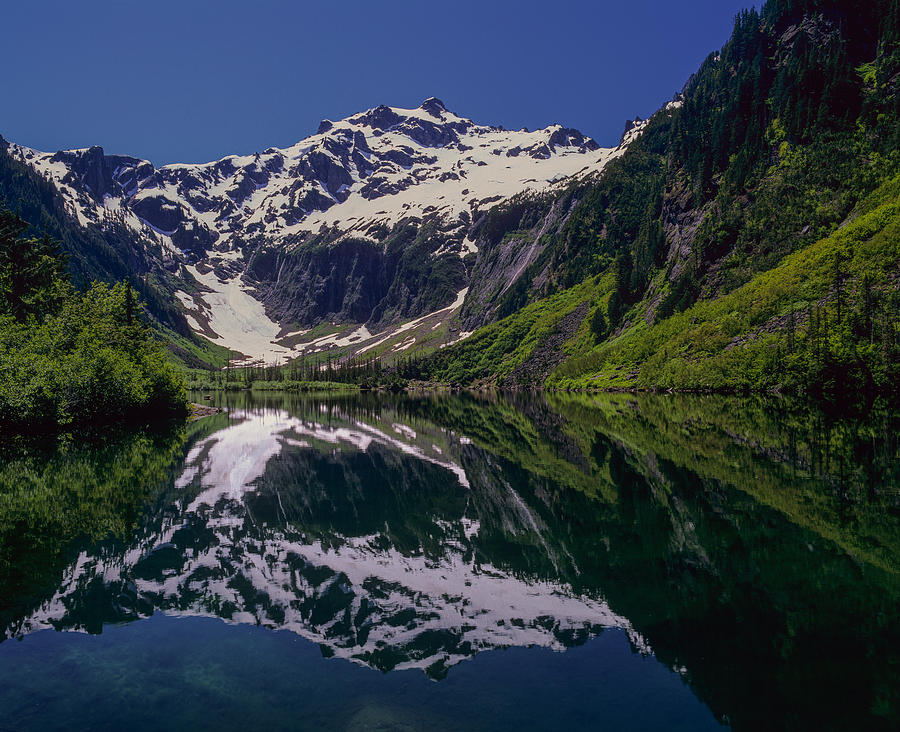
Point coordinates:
pixel 122 176
pixel 214 226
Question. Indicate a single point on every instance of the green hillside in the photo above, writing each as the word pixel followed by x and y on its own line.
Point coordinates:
pixel 747 240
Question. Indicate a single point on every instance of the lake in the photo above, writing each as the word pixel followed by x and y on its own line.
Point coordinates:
pixel 459 562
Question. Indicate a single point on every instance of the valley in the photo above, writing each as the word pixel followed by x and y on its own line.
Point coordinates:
pixel 743 238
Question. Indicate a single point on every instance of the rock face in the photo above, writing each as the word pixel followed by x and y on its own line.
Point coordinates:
pixel 548 354
pixel 274 223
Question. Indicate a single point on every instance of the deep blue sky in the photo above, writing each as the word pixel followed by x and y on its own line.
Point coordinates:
pixel 191 80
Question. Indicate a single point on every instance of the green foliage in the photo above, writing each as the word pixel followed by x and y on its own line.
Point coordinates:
pixel 85 365
pixel 598 325
pixel 824 322
pixel 317 373
pixel 623 295
pixel 32 274
pixel 194 352
pixel 74 358
pixel 618 213
pixel 495 350
pixel 776 132
pixel 682 294
pixel 307 386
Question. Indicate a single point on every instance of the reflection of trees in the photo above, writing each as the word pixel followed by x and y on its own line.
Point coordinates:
pixel 750 543
pixel 753 542
pixel 54 499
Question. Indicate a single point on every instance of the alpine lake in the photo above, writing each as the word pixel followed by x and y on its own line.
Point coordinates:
pixel 457 562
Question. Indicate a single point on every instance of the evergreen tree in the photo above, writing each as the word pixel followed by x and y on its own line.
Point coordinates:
pixel 32 271
pixel 598 325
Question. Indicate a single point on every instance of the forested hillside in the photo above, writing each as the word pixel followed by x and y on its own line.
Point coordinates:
pixel 747 239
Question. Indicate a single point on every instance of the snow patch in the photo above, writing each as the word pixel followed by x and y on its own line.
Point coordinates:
pixel 238 319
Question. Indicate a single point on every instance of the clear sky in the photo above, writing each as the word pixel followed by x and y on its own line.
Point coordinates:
pixel 194 80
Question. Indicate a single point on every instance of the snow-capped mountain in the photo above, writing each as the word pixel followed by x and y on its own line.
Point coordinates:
pixel 368 170
pixel 356 178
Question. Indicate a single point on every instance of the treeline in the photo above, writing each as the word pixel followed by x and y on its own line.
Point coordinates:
pixel 824 323
pixel 301 374
pixel 70 358
pixel 849 346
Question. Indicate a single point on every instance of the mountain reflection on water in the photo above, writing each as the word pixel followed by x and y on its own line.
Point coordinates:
pixel 750 546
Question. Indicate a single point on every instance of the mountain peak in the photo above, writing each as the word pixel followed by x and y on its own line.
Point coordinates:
pixel 433 106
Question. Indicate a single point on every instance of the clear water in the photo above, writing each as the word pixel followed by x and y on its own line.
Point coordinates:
pixel 457 562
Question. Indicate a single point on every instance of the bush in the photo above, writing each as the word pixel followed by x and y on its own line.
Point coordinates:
pixel 85 364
